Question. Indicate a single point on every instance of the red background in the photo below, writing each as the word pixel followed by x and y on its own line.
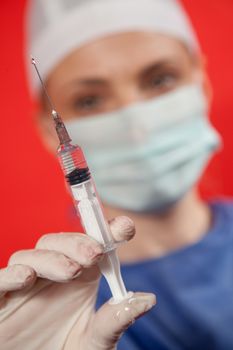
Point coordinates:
pixel 33 199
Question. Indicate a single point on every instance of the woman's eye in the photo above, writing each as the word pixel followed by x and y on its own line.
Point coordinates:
pixel 87 103
pixel 162 81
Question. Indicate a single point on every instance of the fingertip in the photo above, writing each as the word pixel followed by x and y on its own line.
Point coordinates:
pixel 146 299
pixel 122 228
pixel 118 317
pixel 134 307
pixel 19 277
pixel 30 278
pixel 69 270
pixel 92 252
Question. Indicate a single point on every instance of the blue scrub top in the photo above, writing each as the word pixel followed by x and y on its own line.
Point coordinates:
pixel 194 288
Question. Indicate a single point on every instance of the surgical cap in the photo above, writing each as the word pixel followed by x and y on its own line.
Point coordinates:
pixel 54 28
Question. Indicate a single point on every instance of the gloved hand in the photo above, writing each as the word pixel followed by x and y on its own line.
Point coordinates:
pixel 48 296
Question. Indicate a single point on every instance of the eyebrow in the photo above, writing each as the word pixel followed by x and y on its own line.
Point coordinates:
pixel 89 82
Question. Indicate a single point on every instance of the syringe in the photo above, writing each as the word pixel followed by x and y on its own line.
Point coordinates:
pixel 86 201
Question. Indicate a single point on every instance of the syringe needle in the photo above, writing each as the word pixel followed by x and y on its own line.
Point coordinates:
pixel 60 127
pixel 33 61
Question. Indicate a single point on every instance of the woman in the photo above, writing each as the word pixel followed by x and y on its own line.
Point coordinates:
pixel 129 80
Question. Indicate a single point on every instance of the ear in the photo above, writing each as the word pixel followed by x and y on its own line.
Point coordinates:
pixel 47 132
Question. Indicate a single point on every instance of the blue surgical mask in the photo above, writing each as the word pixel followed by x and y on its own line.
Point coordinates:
pixel 147 156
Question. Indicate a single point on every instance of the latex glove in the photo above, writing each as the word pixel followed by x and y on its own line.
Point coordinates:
pixel 48 296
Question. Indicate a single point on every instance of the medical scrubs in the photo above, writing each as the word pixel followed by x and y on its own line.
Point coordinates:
pixel 194 289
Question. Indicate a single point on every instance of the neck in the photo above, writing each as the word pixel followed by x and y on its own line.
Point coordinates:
pixel 157 235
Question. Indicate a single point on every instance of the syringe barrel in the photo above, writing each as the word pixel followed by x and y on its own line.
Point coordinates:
pixel 95 225
pixel 91 213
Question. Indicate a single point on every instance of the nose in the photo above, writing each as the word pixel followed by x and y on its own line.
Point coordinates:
pixel 127 94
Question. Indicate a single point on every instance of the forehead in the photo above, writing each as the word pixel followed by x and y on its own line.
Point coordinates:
pixel 122 51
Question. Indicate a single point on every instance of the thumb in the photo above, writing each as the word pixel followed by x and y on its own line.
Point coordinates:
pixel 111 320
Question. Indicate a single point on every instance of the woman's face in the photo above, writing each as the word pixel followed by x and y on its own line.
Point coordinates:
pixel 118 70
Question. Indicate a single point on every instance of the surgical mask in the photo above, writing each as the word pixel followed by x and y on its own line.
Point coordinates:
pixel 146 157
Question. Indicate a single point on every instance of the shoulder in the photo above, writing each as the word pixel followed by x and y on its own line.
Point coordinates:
pixel 223 215
pixel 223 206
